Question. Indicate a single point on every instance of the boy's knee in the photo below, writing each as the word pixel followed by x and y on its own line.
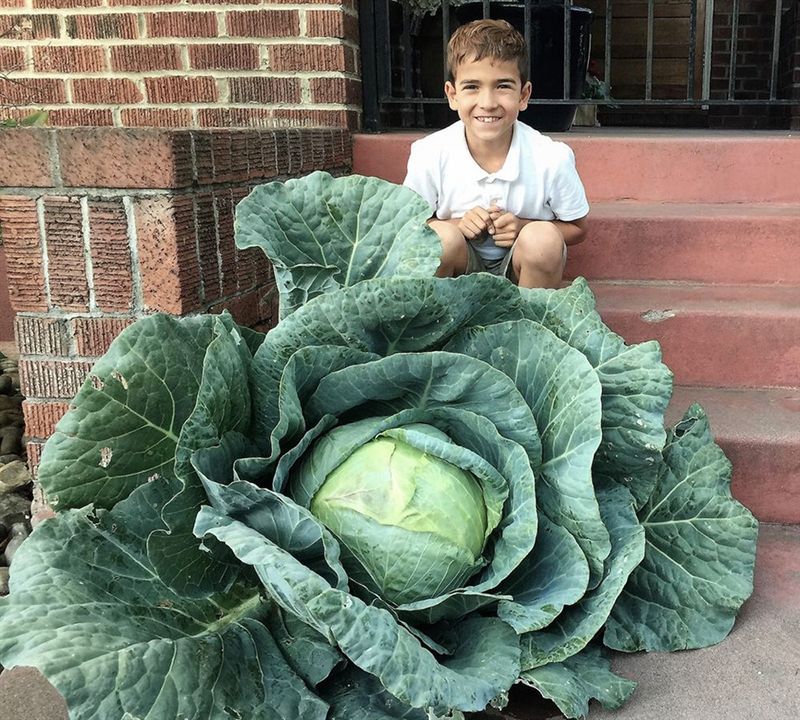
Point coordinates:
pixel 454 246
pixel 541 245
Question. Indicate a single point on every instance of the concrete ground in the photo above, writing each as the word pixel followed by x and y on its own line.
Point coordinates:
pixel 753 675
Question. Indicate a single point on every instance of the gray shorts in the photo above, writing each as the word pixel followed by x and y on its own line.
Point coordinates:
pixel 502 266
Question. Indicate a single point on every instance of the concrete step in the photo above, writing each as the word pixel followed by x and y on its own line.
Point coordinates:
pixel 751 675
pixel 694 242
pixel 712 335
pixel 645 165
pixel 759 430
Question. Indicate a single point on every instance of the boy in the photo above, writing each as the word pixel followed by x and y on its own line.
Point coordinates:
pixel 506 198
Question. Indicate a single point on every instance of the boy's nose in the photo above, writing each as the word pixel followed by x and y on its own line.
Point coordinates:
pixel 487 99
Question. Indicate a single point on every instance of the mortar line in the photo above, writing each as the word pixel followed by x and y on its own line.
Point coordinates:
pixel 87 252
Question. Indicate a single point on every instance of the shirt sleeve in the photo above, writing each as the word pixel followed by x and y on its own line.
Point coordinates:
pixel 420 178
pixel 567 197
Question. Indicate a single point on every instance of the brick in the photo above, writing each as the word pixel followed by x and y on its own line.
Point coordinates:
pixel 32 91
pixel 41 335
pixel 142 3
pixel 145 58
pixel 125 158
pixel 311 58
pixel 26 157
pixel 230 163
pixel 80 117
pixel 223 201
pixel 22 244
pixel 52 378
pixel 181 89
pixel 33 450
pixel 63 222
pixel 203 162
pixel 94 335
pixel 182 24
pixel 332 23
pixel 336 90
pixel 12 59
pixel 56 4
pixel 255 308
pixel 12 3
pixel 207 251
pixel 41 417
pixel 100 27
pixel 105 91
pixel 349 119
pixel 69 59
pixel 263 23
pixel 28 27
pixel 234 117
pixel 224 57
pixel 156 117
pixel 264 90
pixel 170 273
pixel 111 255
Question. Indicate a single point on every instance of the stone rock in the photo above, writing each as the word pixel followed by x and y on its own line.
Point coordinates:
pixel 6 385
pixel 10 457
pixel 14 475
pixel 11 440
pixel 3 581
pixel 14 508
pixel 19 534
pixel 40 510
pixel 10 402
pixel 8 363
pixel 12 416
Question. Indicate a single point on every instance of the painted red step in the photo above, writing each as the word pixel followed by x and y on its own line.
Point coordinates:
pixel 645 165
pixel 759 430
pixel 695 242
pixel 712 335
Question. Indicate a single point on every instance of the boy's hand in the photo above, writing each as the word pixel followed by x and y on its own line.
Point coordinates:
pixel 506 227
pixel 476 222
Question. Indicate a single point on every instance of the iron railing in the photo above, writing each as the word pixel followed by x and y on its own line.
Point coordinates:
pixel 734 57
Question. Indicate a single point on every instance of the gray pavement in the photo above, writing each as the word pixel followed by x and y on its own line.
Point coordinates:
pixel 753 675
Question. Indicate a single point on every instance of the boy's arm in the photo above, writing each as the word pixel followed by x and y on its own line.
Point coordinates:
pixel 508 226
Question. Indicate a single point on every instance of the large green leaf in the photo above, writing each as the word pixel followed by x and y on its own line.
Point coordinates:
pixel 563 392
pixel 579 623
pixel 698 565
pixel 322 233
pixel 370 637
pixel 636 385
pixel 127 417
pixel 571 684
pixel 88 609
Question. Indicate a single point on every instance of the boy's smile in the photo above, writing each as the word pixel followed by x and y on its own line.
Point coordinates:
pixel 488 95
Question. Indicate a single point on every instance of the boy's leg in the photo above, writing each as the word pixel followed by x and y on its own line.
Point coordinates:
pixel 455 255
pixel 539 256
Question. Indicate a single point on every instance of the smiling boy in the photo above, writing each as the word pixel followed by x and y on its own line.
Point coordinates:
pixel 506 199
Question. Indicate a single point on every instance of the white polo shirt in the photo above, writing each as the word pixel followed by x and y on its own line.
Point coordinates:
pixel 538 180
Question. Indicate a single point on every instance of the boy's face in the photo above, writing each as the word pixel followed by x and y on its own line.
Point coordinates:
pixel 488 95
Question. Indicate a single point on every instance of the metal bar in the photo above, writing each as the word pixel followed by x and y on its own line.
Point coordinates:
pixel 445 33
pixel 384 71
pixel 734 49
pixel 692 46
pixel 567 48
pixel 486 10
pixel 776 43
pixel 607 51
pixel 526 21
pixel 648 81
pixel 369 75
pixel 408 69
pixel 707 47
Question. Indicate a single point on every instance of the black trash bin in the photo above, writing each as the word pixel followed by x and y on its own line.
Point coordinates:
pixel 546 43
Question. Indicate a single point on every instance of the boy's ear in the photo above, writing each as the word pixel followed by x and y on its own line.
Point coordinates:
pixel 450 92
pixel 525 95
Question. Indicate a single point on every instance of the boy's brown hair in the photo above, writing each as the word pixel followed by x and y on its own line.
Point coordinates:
pixel 495 39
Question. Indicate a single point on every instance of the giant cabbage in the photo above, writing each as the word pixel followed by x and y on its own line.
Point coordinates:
pixel 408 496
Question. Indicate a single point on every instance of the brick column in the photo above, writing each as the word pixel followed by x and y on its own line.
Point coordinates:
pixel 102 226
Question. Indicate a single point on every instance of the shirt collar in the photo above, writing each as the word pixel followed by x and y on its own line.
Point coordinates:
pixel 473 171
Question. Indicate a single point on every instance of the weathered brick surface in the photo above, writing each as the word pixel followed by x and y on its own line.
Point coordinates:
pixel 26 158
pixel 41 417
pixel 105 91
pixel 181 24
pixel 168 254
pixel 22 244
pixel 69 59
pixel 29 27
pixel 32 91
pixel 224 57
pixel 12 59
pixel 124 158
pixel 332 23
pixel 94 335
pixel 256 308
pixel 111 255
pixel 335 90
pixel 265 90
pixel 145 58
pixel 42 335
pixel 156 117
pixel 181 89
pixel 206 231
pixel 80 117
pixel 311 57
pixel 101 27
pixel 224 203
pixel 264 23
pixel 52 378
pixel 63 223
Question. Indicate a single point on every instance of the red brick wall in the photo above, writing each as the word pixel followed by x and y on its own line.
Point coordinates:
pixel 104 225
pixel 181 63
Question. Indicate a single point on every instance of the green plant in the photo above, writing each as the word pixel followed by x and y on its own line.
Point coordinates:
pixel 211 559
